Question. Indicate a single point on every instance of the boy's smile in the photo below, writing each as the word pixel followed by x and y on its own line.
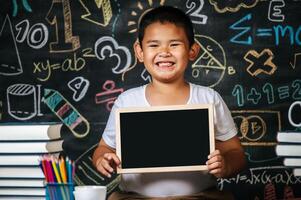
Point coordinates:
pixel 165 65
pixel 165 51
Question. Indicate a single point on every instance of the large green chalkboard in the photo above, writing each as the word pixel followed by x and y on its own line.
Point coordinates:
pixel 67 61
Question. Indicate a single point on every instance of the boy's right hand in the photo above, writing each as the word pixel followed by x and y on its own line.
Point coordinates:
pixel 107 164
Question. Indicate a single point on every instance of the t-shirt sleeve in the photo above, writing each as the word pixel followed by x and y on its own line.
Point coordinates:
pixel 224 125
pixel 110 131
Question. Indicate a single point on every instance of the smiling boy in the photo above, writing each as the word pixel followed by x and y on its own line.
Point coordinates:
pixel 165 46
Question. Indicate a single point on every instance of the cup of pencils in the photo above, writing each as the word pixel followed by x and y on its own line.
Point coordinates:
pixel 58 173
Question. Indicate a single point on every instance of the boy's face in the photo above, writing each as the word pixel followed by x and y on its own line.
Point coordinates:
pixel 165 51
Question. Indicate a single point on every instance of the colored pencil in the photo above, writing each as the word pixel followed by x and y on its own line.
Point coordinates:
pixel 58 173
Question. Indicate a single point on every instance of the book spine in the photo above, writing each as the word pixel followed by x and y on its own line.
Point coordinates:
pixel 30 132
pixel 21 172
pixel 17 160
pixel 297 172
pixel 30 147
pixel 288 150
pixel 292 162
pixel 22 183
pixel 289 137
pixel 22 192
pixel 20 160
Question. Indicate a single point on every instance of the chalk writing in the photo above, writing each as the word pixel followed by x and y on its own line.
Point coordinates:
pixel 37 35
pixel 79 86
pixel 87 175
pixel 145 76
pixel 276 31
pixel 86 171
pixel 139 11
pixel 257 160
pixel 59 15
pixel 109 95
pixel 231 70
pixel 253 129
pixel 93 15
pixel 260 62
pixel 22 28
pixel 275 12
pixel 195 7
pixel 293 64
pixel 23 92
pixel 263 175
pixel 25 5
pixel 257 127
pixel 232 6
pixel 89 169
pixel 296 103
pixel 211 62
pixel 255 95
pixel 269 92
pixel 8 65
pixel 45 69
pixel 122 54
pixel 88 53
pixel 78 125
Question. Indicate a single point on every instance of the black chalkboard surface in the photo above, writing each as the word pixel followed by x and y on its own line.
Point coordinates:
pixel 165 138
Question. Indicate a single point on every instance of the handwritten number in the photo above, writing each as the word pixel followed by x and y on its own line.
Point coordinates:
pixel 61 20
pixel 238 93
pixel 195 7
pixel 268 89
pixel 297 92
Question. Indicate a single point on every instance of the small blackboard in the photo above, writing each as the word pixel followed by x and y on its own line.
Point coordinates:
pixel 165 138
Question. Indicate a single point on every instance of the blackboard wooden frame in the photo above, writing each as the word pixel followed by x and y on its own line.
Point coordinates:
pixel 131 120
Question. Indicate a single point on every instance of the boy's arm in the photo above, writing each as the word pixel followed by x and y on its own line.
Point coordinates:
pixel 228 159
pixel 105 159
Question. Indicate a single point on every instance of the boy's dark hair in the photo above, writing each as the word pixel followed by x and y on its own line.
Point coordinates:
pixel 166 14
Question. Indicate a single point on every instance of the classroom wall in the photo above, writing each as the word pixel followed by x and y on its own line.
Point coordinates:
pixel 78 54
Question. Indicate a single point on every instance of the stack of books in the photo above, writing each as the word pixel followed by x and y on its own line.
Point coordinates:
pixel 21 147
pixel 289 147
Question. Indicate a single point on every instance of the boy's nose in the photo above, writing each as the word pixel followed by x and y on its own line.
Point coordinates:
pixel 164 53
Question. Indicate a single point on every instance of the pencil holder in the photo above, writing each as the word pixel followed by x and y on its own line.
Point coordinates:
pixel 59 191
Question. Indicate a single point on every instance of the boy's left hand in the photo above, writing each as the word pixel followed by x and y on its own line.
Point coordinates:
pixel 216 164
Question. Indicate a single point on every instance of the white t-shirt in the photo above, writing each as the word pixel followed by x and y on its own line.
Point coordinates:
pixel 173 183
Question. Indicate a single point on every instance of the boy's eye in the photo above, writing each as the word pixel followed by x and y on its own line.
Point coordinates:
pixel 152 45
pixel 174 44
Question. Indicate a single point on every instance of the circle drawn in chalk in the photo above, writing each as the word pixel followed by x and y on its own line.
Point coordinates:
pixel 210 66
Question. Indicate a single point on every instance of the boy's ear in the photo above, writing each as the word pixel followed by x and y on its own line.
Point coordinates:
pixel 138 51
pixel 194 51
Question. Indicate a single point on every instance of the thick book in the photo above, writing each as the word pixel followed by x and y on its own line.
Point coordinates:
pixel 292 162
pixel 30 132
pixel 21 172
pixel 22 192
pixel 22 182
pixel 21 198
pixel 31 147
pixel 289 137
pixel 23 160
pixel 20 160
pixel 288 150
